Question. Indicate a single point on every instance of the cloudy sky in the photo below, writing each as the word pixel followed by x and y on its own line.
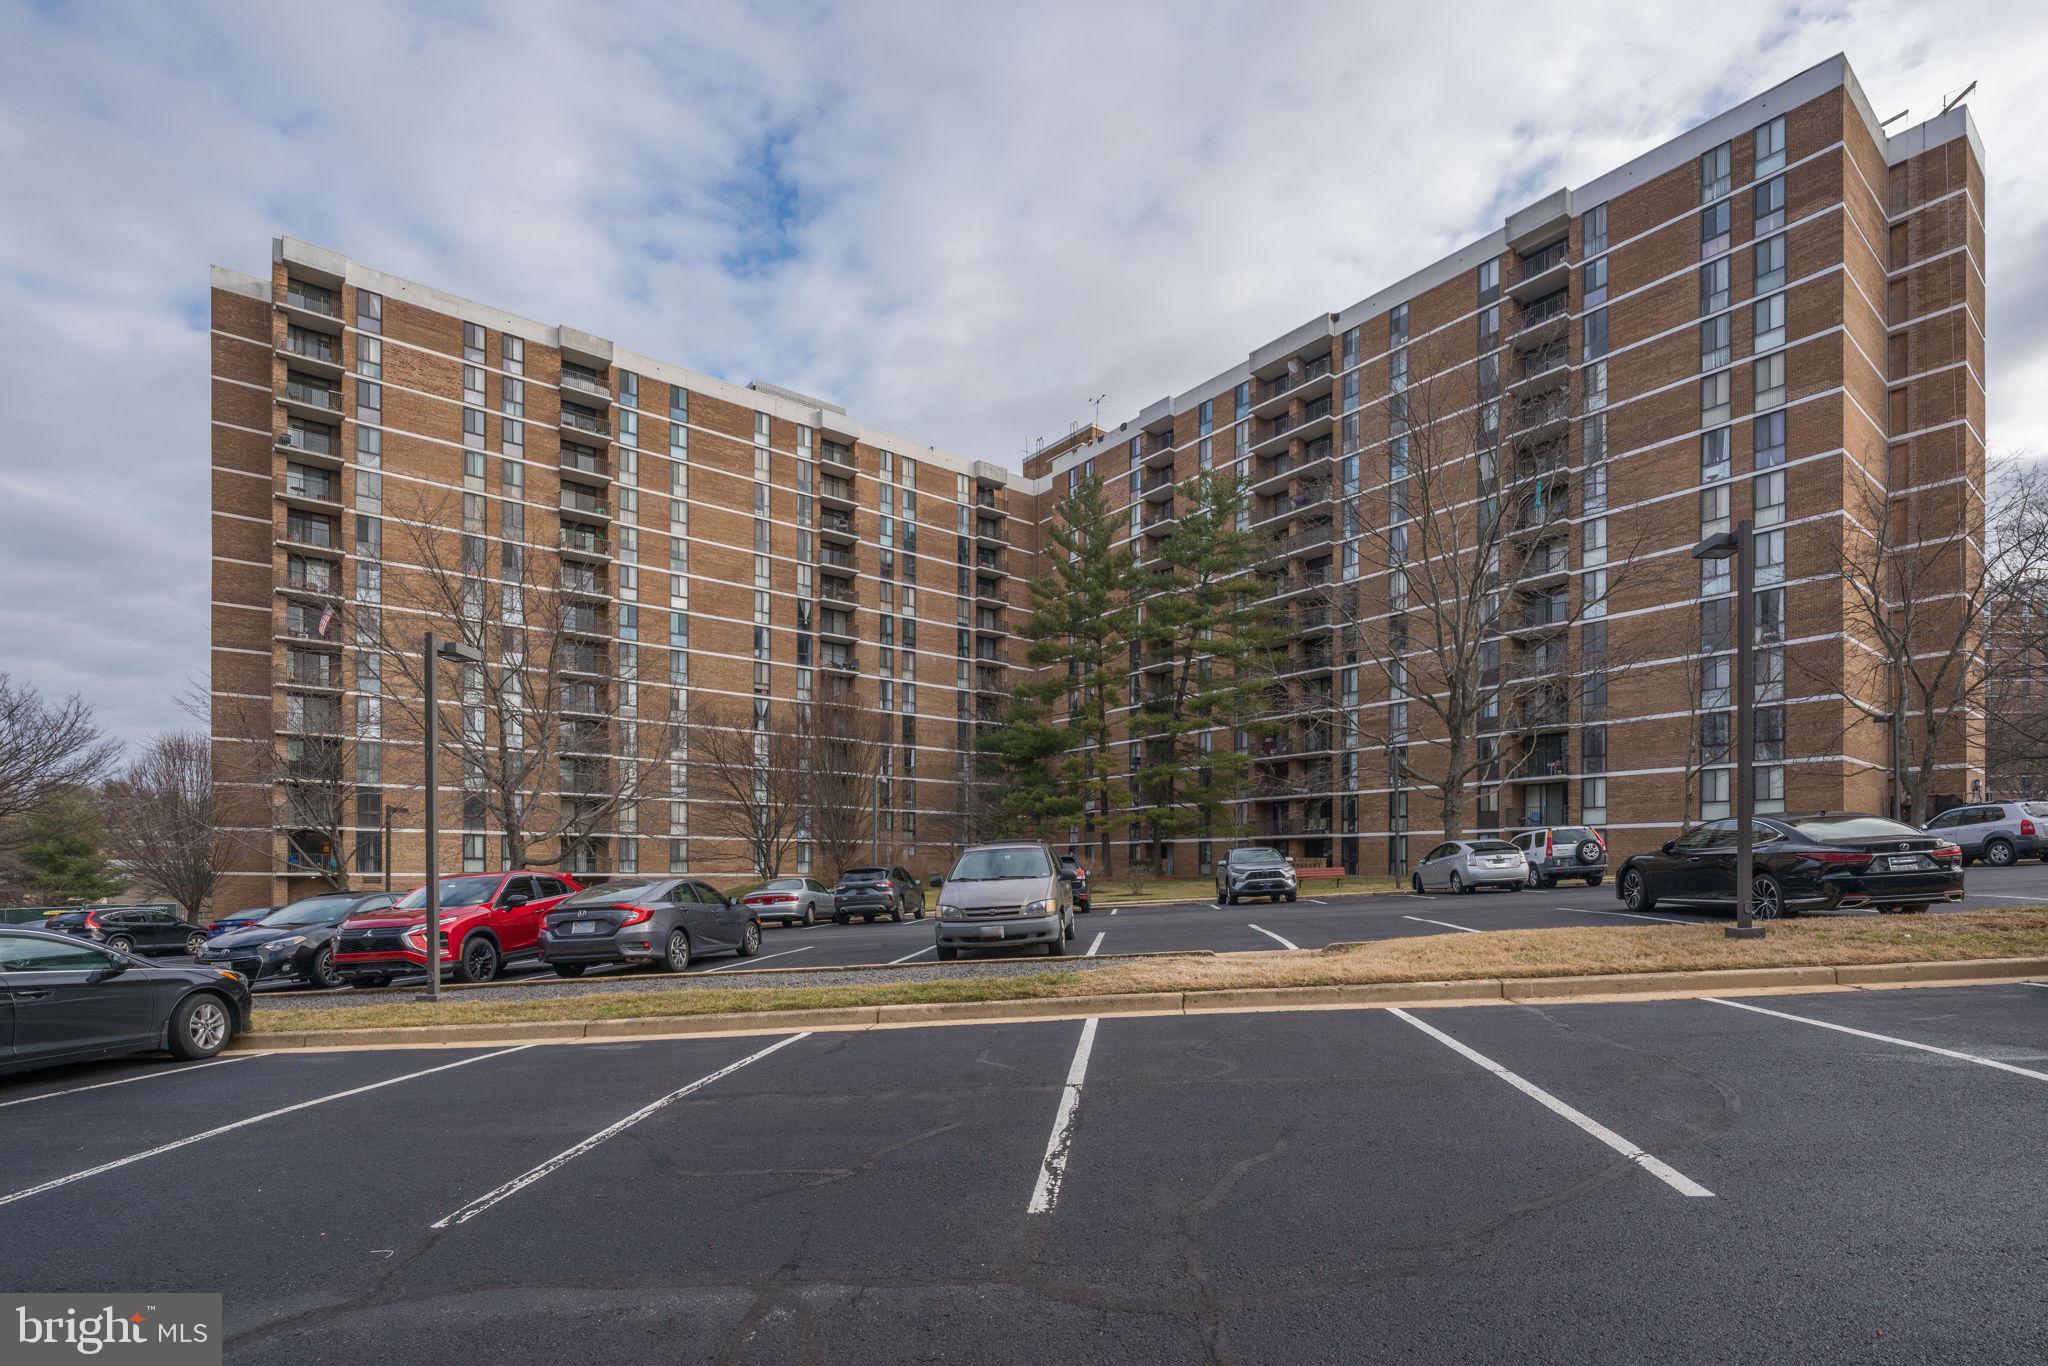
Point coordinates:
pixel 962 221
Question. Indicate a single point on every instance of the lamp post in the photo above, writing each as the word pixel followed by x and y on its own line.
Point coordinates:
pixel 1740 546
pixel 389 812
pixel 435 651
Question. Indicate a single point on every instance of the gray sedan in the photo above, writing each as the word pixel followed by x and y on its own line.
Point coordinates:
pixel 792 901
pixel 1468 865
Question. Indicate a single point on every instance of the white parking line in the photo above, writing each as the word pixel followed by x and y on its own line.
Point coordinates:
pixel 1424 920
pixel 1276 938
pixel 745 963
pixel 908 956
pixel 1052 1169
pixel 1632 915
pixel 142 1076
pixel 1112 910
pixel 570 1154
pixel 1315 901
pixel 1669 1175
pixel 253 1119
pixel 1100 936
pixel 1885 1038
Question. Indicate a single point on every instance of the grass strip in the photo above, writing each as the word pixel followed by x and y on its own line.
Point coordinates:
pixel 1831 942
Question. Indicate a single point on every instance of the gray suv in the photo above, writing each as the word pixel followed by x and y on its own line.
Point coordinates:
pixel 1563 851
pixel 2000 833
pixel 1000 895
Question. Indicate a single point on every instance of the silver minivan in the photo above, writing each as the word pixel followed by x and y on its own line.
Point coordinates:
pixel 1005 895
pixel 2000 833
pixel 1468 865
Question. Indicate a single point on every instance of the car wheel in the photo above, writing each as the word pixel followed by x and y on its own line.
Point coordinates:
pixel 867 920
pixel 479 960
pixel 1292 895
pixel 1635 891
pixel 839 920
pixel 200 1026
pixel 750 939
pixel 810 916
pixel 1999 853
pixel 1457 885
pixel 1595 880
pixel 1766 898
pixel 1529 876
pixel 1070 929
pixel 1057 948
pixel 121 942
pixel 947 953
pixel 1229 897
pixel 896 914
pixel 322 972
pixel 193 944
pixel 1415 883
pixel 570 969
pixel 675 956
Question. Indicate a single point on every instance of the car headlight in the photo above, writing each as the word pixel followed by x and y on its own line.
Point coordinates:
pixel 288 942
pixel 1045 907
pixel 950 912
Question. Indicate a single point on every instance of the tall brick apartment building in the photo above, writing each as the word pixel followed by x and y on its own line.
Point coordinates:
pixel 1771 316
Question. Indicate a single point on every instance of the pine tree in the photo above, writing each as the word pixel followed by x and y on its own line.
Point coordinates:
pixel 61 858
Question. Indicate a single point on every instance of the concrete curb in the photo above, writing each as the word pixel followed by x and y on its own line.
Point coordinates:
pixel 1355 996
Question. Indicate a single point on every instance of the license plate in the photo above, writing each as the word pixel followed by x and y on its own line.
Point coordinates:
pixel 585 927
pixel 1903 863
pixel 991 931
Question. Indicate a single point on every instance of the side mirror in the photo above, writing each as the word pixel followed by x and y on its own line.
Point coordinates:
pixel 111 970
pixel 1067 878
pixel 1670 846
pixel 937 881
pixel 515 900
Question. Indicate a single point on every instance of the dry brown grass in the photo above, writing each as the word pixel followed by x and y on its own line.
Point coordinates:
pixel 1433 958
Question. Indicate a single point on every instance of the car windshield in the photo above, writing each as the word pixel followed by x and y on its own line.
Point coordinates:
pixel 1571 834
pixel 613 892
pixel 1492 847
pixel 994 865
pixel 782 884
pixel 456 891
pixel 314 910
pixel 1256 856
pixel 865 875
pixel 1830 828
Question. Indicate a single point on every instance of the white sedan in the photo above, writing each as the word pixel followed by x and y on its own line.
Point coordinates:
pixel 1468 865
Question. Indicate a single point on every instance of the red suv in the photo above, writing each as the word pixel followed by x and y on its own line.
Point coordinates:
pixel 487 920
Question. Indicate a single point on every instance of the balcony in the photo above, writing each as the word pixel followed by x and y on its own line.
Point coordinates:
pixel 318 351
pixel 836 524
pixel 1157 451
pixel 313 578
pixel 833 560
pixel 988 562
pixel 585 659
pixel 316 489
pixel 840 659
pixel 1542 370
pixel 985 503
pixel 585 461
pixel 1158 485
pixel 310 396
pixel 833 453
pixel 586 542
pixel 989 680
pixel 834 590
pixel 583 699
pixel 582 504
pixel 312 306
pixel 988 590
pixel 584 583
pixel 1315 619
pixel 1543 320
pixel 1540 419
pixel 837 493
pixel 586 421
pixel 988 531
pixel 837 625
pixel 582 620
pixel 588 385
pixel 990 623
pixel 1309 379
pixel 1541 273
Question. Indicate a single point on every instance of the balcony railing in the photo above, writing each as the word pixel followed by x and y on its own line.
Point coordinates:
pixel 836 454
pixel 589 542
pixel 1545 309
pixel 1537 262
pixel 842 489
pixel 1280 384
pixel 833 520
pixel 312 298
pixel 585 422
pixel 313 395
pixel 312 345
pixel 584 459
pixel 577 502
pixel 587 381
pixel 837 559
pixel 314 484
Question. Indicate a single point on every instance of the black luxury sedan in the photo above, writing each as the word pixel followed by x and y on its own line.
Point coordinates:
pixel 1809 862
pixel 295 943
pixel 69 1000
pixel 665 922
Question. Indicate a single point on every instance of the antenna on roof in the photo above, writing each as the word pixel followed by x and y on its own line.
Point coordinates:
pixel 1947 105
pixel 1097 401
pixel 1895 118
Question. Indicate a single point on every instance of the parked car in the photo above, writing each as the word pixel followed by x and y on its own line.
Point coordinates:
pixel 871 892
pixel 239 920
pixel 791 900
pixel 1002 895
pixel 1255 870
pixel 665 922
pixel 1563 851
pixel 1071 863
pixel 71 1000
pixel 295 943
pixel 134 929
pixel 487 920
pixel 2000 833
pixel 1817 861
pixel 32 917
pixel 1468 865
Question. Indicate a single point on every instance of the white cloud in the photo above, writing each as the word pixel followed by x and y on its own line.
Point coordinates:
pixel 978 218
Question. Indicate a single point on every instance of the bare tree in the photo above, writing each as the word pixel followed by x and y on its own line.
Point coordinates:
pixel 46 748
pixel 1925 572
pixel 752 775
pixel 844 750
pixel 164 822
pixel 283 785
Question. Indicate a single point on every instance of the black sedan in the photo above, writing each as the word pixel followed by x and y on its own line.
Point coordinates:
pixel 1811 862
pixel 68 1000
pixel 292 944
pixel 665 922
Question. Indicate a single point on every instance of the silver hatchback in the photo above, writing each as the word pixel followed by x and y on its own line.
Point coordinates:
pixel 1468 865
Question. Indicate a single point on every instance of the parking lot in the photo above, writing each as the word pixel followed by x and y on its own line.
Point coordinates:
pixel 1841 1176
pixel 1312 922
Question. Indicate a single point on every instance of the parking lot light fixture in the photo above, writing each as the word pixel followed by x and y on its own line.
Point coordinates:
pixel 1740 546
pixel 436 650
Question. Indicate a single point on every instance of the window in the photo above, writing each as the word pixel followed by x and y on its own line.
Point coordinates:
pixel 369 311
pixel 1714 503
pixel 1489 327
pixel 1593 283
pixel 472 853
pixel 1770 789
pixel 1716 345
pixel 1593 749
pixel 473 342
pixel 1769 439
pixel 1770 205
pixel 1715 447
pixel 42 955
pixel 370 357
pixel 1715 747
pixel 1596 334
pixel 1714 794
pixel 1397 326
pixel 1714 229
pixel 1714 676
pixel 1595 231
pixel 1489 281
pixel 1593 801
pixel 514 354
pixel 1770 146
pixel 1769 380
pixel 1714 278
pixel 473 384
pixel 1768 317
pixel 1770 264
pixel 1769 494
pixel 1716 172
pixel 473 428
pixel 1715 400
pixel 1770 557
pixel 369 402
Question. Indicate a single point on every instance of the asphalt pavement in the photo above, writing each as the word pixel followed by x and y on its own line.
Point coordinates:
pixel 1817 1178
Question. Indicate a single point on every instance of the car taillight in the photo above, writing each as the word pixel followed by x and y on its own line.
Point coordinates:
pixel 1842 857
pixel 886 886
pixel 92 920
pixel 1546 844
pixel 2026 827
pixel 1946 853
pixel 635 915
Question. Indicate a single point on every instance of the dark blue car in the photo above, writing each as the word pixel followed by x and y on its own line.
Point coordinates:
pixel 240 920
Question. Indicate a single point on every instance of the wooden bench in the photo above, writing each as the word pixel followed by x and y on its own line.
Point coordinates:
pixel 1325 874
